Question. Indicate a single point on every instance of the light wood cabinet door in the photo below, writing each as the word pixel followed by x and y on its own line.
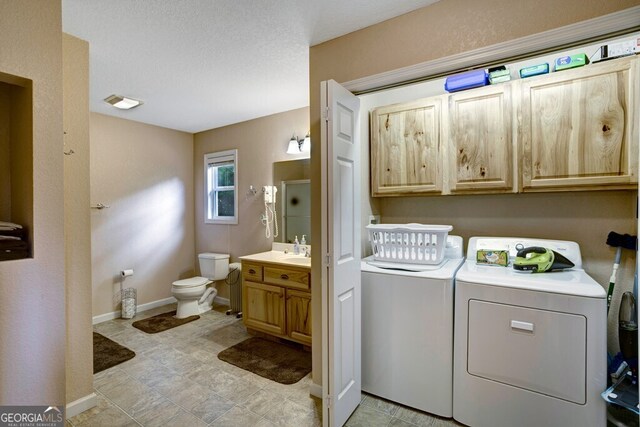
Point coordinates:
pixel 405 145
pixel 579 128
pixel 479 140
pixel 264 307
pixel 299 316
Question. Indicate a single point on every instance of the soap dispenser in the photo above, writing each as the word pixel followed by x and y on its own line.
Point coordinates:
pixel 296 246
pixel 304 240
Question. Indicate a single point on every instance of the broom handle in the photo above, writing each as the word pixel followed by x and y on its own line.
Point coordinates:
pixel 612 279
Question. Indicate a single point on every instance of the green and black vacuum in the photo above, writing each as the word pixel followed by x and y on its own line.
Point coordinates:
pixel 539 260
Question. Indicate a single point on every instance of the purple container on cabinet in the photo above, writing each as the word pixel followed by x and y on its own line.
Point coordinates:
pixel 467 80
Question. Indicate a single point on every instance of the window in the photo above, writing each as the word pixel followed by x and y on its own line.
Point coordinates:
pixel 221 184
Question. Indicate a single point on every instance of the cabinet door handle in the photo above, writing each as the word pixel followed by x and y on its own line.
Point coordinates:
pixel 252 271
pixel 284 277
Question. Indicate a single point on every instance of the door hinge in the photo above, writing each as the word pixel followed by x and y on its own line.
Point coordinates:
pixel 326 114
pixel 329 401
pixel 327 259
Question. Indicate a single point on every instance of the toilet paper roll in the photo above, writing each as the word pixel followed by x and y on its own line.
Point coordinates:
pixel 126 273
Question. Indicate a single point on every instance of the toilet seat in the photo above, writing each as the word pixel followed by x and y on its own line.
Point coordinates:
pixel 192 282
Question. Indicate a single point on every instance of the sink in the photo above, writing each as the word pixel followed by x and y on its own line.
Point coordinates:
pixel 297 260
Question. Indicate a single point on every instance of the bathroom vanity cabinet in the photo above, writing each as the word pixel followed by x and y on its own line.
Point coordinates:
pixel 276 299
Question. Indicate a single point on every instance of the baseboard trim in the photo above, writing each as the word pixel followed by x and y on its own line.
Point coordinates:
pixel 315 390
pixel 148 306
pixel 79 406
pixel 142 307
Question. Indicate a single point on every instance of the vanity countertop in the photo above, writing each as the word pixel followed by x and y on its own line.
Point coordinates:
pixel 279 258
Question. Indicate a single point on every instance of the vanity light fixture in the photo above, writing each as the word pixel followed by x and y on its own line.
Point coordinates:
pixel 293 147
pixel 122 102
pixel 305 146
pixel 297 146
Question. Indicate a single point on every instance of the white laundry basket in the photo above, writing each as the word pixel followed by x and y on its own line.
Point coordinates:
pixel 408 243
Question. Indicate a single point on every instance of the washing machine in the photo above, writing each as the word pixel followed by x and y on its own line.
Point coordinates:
pixel 407 330
pixel 530 348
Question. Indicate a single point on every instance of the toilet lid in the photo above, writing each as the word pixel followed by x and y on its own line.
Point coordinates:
pixel 192 282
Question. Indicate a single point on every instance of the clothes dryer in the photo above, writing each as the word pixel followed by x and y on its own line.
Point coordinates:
pixel 530 348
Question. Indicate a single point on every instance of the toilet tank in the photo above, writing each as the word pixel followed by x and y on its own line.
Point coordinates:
pixel 214 266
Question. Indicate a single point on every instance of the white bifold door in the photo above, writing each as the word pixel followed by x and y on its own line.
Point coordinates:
pixel 341 253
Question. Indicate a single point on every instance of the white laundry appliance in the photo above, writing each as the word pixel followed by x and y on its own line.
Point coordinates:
pixel 407 330
pixel 530 348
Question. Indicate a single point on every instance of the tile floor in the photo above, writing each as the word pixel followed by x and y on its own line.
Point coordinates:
pixel 176 379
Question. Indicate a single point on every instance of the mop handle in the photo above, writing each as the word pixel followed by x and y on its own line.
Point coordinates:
pixel 612 279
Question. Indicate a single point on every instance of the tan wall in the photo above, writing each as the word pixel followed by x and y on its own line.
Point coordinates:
pixel 584 217
pixel 32 291
pixel 77 222
pixel 260 142
pixel 440 30
pixel 145 174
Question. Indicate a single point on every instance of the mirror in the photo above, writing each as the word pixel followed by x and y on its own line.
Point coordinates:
pixel 292 178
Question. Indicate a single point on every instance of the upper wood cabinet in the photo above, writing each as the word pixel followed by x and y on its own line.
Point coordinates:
pixel 579 128
pixel 478 140
pixel 565 131
pixel 405 144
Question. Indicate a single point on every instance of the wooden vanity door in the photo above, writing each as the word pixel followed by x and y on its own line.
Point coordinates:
pixel 405 144
pixel 264 307
pixel 299 316
pixel 479 140
pixel 579 128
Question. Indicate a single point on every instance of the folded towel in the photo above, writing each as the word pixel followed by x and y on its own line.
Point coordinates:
pixel 9 237
pixel 9 225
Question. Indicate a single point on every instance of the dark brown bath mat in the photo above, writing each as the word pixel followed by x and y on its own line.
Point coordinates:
pixel 107 353
pixel 283 363
pixel 162 322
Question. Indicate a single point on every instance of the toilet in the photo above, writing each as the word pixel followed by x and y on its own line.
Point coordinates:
pixel 192 294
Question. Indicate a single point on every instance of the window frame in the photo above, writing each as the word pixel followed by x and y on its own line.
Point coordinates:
pixel 210 159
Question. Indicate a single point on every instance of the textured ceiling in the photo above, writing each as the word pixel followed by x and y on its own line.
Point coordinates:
pixel 202 64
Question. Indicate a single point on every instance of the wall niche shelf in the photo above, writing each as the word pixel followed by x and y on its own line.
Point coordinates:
pixel 16 166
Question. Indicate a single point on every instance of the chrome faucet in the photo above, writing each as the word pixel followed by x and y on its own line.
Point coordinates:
pixel 307 252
